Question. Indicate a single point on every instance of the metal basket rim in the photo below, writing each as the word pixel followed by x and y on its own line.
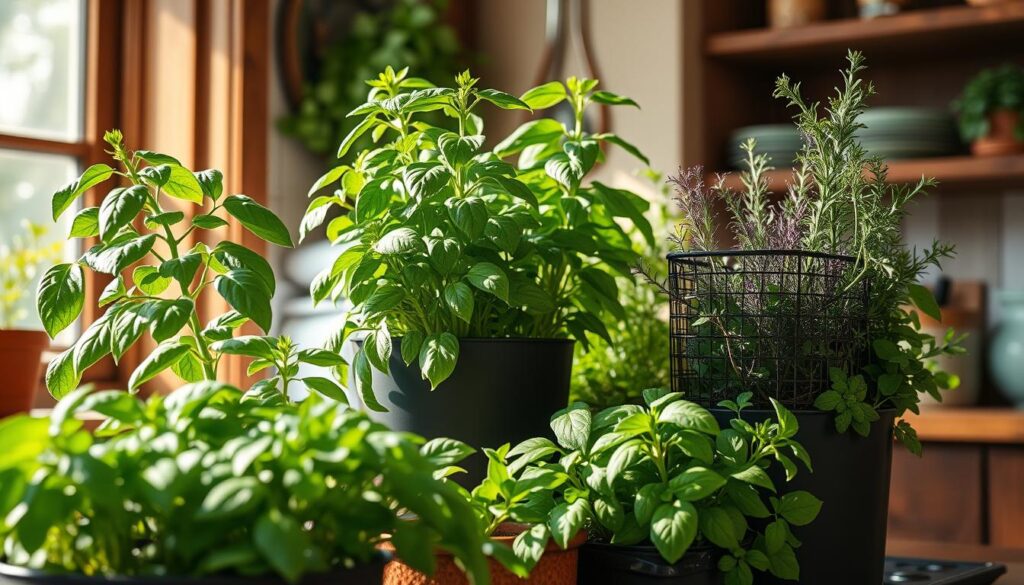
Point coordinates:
pixel 760 252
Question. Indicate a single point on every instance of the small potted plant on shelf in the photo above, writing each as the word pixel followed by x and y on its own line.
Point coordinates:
pixel 208 486
pixel 21 350
pixel 811 310
pixel 156 283
pixel 659 492
pixel 468 274
pixel 991 111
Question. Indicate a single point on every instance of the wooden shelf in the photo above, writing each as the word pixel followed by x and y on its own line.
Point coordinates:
pixel 957 171
pixel 970 425
pixel 947 29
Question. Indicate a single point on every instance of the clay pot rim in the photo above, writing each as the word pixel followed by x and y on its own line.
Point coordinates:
pixel 577 541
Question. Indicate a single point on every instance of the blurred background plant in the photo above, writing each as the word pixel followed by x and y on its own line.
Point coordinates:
pixel 22 259
pixel 613 374
pixel 400 33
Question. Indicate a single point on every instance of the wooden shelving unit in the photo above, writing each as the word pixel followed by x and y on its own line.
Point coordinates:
pixel 991 426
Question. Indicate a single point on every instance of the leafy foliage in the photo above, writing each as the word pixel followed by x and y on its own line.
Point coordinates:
pixel 663 473
pixel 405 33
pixel 210 481
pixel 21 260
pixel 998 88
pixel 443 239
pixel 839 203
pixel 141 222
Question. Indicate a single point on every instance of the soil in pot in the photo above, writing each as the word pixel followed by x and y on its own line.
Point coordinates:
pixel 609 564
pixel 851 476
pixel 502 391
pixel 557 567
pixel 21 361
pixel 1002 135
pixel 368 574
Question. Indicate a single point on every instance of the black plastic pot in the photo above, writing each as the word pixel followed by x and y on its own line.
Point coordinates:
pixel 368 574
pixel 609 564
pixel 502 391
pixel 845 545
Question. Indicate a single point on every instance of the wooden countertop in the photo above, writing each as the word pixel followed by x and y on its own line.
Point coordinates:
pixel 1012 558
pixel 970 425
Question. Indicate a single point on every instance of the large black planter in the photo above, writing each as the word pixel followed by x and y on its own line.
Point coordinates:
pixel 502 391
pixel 368 574
pixel 608 564
pixel 845 545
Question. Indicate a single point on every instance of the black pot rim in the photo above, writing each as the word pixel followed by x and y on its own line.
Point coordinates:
pixel 771 411
pixel 760 252
pixel 17 573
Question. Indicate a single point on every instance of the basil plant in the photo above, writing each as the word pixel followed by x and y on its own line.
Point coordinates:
pixel 444 239
pixel 664 474
pixel 141 221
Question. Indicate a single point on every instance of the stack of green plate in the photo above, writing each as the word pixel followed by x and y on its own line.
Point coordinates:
pixel 908 132
pixel 780 142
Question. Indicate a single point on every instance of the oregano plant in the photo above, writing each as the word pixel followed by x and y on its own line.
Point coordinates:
pixel 157 281
pixel 444 239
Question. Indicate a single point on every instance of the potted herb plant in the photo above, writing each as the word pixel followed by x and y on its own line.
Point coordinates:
pixel 156 282
pixel 208 486
pixel 21 350
pixel 991 111
pixel 660 492
pixel 469 275
pixel 810 310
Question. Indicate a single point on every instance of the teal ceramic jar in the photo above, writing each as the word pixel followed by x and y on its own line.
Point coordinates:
pixel 1006 354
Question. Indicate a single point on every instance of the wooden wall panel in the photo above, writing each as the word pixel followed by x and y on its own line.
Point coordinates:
pixel 1006 496
pixel 939 497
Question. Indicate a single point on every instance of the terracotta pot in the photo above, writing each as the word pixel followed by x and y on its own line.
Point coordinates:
pixel 556 567
pixel 21 361
pixel 790 13
pixel 1002 137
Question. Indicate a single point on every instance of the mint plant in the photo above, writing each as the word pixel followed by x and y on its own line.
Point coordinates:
pixel 664 473
pixel 205 482
pixel 156 280
pixel 444 239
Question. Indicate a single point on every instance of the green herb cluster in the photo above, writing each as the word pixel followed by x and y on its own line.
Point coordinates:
pixel 839 202
pixel 139 222
pixel 999 88
pixel 664 473
pixel 21 260
pixel 207 481
pixel 444 239
pixel 406 33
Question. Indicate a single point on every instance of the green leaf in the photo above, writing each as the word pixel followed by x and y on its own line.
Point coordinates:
pixel 61 376
pixel 397 241
pixel 162 358
pixel 624 145
pixel 211 181
pixel 86 223
pixel 149 281
pixel 689 415
pixel 799 508
pixel 248 345
pixel 259 220
pixel 327 178
pixel 157 158
pixel 123 251
pixel 283 543
pixel 320 357
pixel 544 96
pixel 384 298
pixel 22 440
pixel 94 343
pixel 612 99
pixel 571 426
pixel 364 377
pixel 182 269
pixel 182 184
pixel 622 203
pixel 459 299
pixel 119 208
pixel 92 176
pixel 717 527
pixel 530 545
pixel 543 131
pixel 244 290
pixel 326 387
pixel 315 215
pixel 489 278
pixel 564 169
pixel 411 344
pixel 167 218
pixel 924 300
pixel 127 327
pixel 377 346
pixel 788 425
pixel 673 528
pixel 828 400
pixel 232 497
pixel 783 563
pixel 775 536
pixel 458 150
pixel 373 199
pixel 169 317
pixel 354 135
pixel 438 357
pixel 747 499
pixel 625 456
pixel 754 475
pixel 469 215
pixel 208 221
pixel 888 351
pixel 113 291
pixel 567 520
pixel 233 256
pixel 60 297
pixel 696 483
pixel 503 100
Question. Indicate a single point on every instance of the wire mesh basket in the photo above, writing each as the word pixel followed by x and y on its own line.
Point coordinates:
pixel 772 322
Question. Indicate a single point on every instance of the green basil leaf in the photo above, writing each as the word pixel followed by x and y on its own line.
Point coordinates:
pixel 458 150
pixel 411 343
pixel 159 360
pixel 612 99
pixel 61 376
pixel 364 378
pixel 95 342
pixel 459 299
pixel 398 241
pixel 259 220
pixel 543 131
pixel 283 544
pixel 121 252
pixel 326 388
pixel 331 176
pixel 503 100
pixel 169 317
pixel 673 528
pixel 438 357
pixel 696 483
pixel 149 281
pixel 244 290
pixel 182 269
pixel 119 208
pixel 545 96
pixel 235 257
pixel 384 298
pixel 571 426
pixel 373 199
pixel 113 291
pixel 60 297
pixel 799 508
pixel 924 300
pixel 211 181
pixel 567 520
pixel 208 222
pixel 231 498
pixel 689 415
pixel 717 527
pixel 86 223
pixel 67 194
pixel 489 278
pixel 248 345
pixel 182 184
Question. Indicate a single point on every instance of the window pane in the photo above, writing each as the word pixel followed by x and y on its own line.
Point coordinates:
pixel 27 182
pixel 42 53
